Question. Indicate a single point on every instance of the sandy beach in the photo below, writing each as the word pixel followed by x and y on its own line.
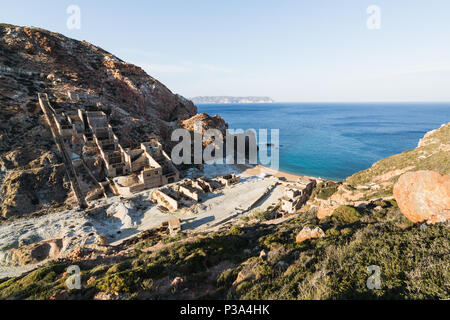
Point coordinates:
pixel 259 170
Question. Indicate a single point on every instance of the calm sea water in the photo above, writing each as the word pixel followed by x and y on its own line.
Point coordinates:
pixel 335 140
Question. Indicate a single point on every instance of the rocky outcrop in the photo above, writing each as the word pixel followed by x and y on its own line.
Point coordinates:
pixel 424 196
pixel 309 233
pixel 26 191
pixel 177 283
pixel 208 122
pixel 435 137
pixel 37 252
pixel 247 273
pixel 67 64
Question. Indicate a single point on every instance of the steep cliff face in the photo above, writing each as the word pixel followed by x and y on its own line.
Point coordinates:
pixel 73 74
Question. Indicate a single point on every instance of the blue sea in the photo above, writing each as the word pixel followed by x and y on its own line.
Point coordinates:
pixel 335 140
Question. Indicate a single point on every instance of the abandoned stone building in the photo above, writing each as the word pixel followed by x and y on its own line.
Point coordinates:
pixel 229 179
pixel 167 198
pixel 195 189
pixel 296 195
pixel 173 225
pixel 131 169
pixel 190 191
pixel 147 167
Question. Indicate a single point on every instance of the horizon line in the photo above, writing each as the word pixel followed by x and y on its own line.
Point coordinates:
pixel 362 101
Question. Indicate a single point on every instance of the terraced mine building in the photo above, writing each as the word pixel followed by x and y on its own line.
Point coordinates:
pixel 85 136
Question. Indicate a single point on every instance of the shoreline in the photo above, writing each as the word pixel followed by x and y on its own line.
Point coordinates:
pixel 259 170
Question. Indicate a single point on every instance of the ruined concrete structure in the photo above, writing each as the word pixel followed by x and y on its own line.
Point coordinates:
pixel 189 191
pixel 195 189
pixel 174 226
pixel 229 179
pixel 147 167
pixel 131 169
pixel 296 195
pixel 166 198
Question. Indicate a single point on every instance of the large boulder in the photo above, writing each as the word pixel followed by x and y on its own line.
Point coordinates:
pixel 309 233
pixel 424 196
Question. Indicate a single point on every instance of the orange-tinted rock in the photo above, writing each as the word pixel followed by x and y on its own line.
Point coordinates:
pixel 177 283
pixel 106 296
pixel 325 211
pixel 308 233
pixel 424 196
pixel 248 272
pixel 64 295
pixel 263 254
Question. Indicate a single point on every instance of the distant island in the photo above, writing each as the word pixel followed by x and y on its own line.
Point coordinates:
pixel 227 99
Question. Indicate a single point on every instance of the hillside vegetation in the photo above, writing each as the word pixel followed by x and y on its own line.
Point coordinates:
pixel 227 265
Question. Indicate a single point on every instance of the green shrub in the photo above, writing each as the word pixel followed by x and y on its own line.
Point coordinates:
pixel 147 285
pixel 119 267
pixel 346 232
pixel 333 232
pixel 326 190
pixel 115 284
pixel 262 270
pixel 243 287
pixel 35 285
pixel 179 236
pixel 345 215
pixel 393 203
pixel 99 270
pixel 235 230
pixel 226 278
pixel 271 241
pixel 263 215
pixel 381 203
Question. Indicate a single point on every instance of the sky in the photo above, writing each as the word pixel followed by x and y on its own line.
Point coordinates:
pixel 291 51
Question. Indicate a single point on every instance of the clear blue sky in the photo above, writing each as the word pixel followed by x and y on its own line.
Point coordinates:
pixel 299 50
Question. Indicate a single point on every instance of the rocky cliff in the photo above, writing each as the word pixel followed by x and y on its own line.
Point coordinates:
pixel 71 72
